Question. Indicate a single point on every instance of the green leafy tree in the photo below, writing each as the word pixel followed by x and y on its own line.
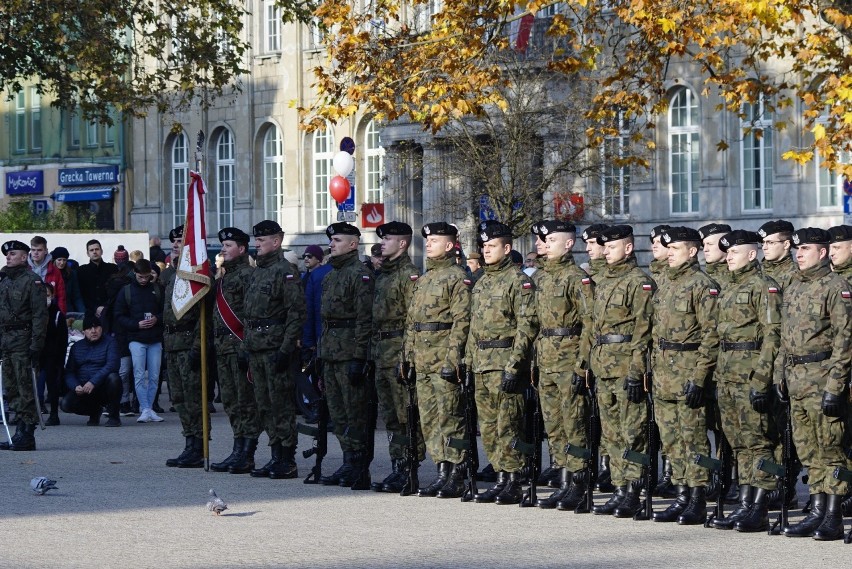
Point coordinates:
pixel 19 216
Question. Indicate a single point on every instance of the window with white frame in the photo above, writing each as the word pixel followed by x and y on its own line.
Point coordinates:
pixel 20 122
pixel 74 130
pixel 374 156
pixel 273 174
pixel 272 26
pixel 35 119
pixel 109 130
pixel 323 156
pixel 225 178
pixel 615 179
pixel 314 34
pixel 684 151
pixel 830 183
pixel 180 178
pixel 92 133
pixel 424 12
pixel 756 159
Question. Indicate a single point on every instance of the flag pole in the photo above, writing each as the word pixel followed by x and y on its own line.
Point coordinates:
pixel 205 412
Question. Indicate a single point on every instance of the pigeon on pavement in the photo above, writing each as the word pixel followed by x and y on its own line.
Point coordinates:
pixel 42 484
pixel 216 504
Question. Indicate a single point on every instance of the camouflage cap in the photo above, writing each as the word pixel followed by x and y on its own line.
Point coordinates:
pixel 394 228
pixel 676 234
pixel 15 246
pixel 773 227
pixel 493 231
pixel 592 232
pixel 233 234
pixel 176 233
pixel 713 229
pixel 657 232
pixel 840 233
pixel 614 233
pixel 266 227
pixel 439 228
pixel 342 228
pixel 545 228
pixel 738 237
pixel 808 235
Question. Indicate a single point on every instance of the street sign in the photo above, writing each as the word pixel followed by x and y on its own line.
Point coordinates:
pixel 40 206
pixel 347 216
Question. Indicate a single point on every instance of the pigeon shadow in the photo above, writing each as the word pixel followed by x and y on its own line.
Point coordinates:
pixel 241 514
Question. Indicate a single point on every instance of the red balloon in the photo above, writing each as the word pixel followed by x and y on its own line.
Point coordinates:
pixel 339 187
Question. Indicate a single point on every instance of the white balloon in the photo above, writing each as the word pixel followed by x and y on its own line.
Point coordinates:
pixel 343 163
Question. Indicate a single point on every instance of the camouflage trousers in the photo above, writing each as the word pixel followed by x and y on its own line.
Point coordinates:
pixel 18 384
pixel 185 389
pixel 275 393
pixel 347 406
pixel 746 431
pixel 623 426
pixel 565 416
pixel 819 443
pixel 441 416
pixel 392 396
pixel 683 434
pixel 500 421
pixel 237 397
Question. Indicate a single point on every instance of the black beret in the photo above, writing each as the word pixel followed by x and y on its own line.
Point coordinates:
pixel 439 228
pixel 176 233
pixel 342 228
pixel 493 231
pixel 60 253
pixel 614 233
pixel 233 234
pixel 811 235
pixel 376 250
pixel 394 228
pixel 675 234
pixel 15 246
pixel 773 227
pixel 90 321
pixel 657 231
pixel 840 233
pixel 266 227
pixel 554 226
pixel 593 231
pixel 516 256
pixel 738 237
pixel 713 229
pixel 534 228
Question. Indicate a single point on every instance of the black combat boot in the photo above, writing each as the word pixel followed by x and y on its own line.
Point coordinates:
pixel 235 454
pixel 445 467
pixel 263 471
pixel 361 471
pixel 743 506
pixel 605 476
pixel 402 480
pixel 186 450
pixel 549 477
pixel 491 494
pixel 696 511
pixel 195 457
pixel 564 486
pixel 812 521
pixel 676 508
pixel 631 504
pixel 757 518
pixel 774 503
pixel 665 488
pixel 345 470
pixel 284 465
pixel 608 507
pixel 27 440
pixel 576 494
pixel 244 464
pixel 512 492
pixel 454 488
pixel 53 419
pixel 831 527
pixel 391 480
pixel 733 495
pixel 355 458
pixel 19 432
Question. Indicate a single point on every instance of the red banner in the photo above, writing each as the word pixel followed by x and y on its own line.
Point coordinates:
pixel 523 39
pixel 193 268
pixel 568 206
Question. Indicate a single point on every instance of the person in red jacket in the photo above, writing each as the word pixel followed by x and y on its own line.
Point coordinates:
pixel 39 262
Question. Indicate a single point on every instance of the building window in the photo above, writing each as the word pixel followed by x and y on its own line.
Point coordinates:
pixel 315 35
pixel 225 178
pixel 20 122
pixel 180 178
pixel 757 156
pixel 615 179
pixel 273 174
pixel 74 130
pixel 92 134
pixel 272 26
pixel 424 13
pixel 684 151
pixel 375 159
pixel 323 155
pixel 830 184
pixel 35 118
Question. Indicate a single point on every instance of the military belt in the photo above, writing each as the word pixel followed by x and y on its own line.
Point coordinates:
pixel 504 343
pixel 261 322
pixel 808 358
pixel 432 326
pixel 222 332
pixel 679 346
pixel 391 334
pixel 739 346
pixel 602 339
pixel 19 326
pixel 572 331
pixel 349 323
pixel 174 329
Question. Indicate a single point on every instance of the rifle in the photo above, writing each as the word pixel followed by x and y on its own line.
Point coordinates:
pixel 533 451
pixel 845 475
pixel 648 461
pixel 468 443
pixel 786 472
pixel 412 463
pixel 721 470
pixel 590 455
pixel 319 433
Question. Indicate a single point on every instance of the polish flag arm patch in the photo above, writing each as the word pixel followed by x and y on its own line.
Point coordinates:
pixel 365 278
pixel 773 290
pixel 714 292
pixel 528 286
pixel 846 294
pixel 468 282
pixel 647 287
pixel 586 281
pixel 414 277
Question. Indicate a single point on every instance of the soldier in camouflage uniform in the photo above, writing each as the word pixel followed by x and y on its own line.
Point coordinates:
pixel 686 344
pixel 229 319
pixel 815 360
pixel 344 348
pixel 436 327
pixel 275 313
pixel 563 302
pixel 502 328
pixel 395 280
pixel 749 316
pixel 474 264
pixel 840 253
pixel 714 258
pixel 618 342
pixel 23 325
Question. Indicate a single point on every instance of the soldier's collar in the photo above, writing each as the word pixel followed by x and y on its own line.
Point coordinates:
pixel 499 266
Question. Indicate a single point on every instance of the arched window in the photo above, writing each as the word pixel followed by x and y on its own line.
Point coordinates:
pixel 374 156
pixel 225 178
pixel 273 174
pixel 684 151
pixel 756 171
pixel 180 178
pixel 323 155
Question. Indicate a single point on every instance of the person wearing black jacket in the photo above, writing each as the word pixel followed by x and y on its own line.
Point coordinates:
pixel 93 277
pixel 53 357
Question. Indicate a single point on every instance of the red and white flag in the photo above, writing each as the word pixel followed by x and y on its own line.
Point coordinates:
pixel 193 268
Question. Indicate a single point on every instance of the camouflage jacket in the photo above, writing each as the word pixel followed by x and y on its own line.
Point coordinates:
pixel 685 312
pixel 274 305
pixel 476 275
pixel 441 295
pixel 347 310
pixel 749 310
pixel 816 316
pixel 183 334
pixel 658 269
pixel 23 305
pixel 719 273
pixel 395 281
pixel 563 299
pixel 782 272
pixel 622 305
pixel 845 271
pixel 233 284
pixel 502 310
pixel 597 266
